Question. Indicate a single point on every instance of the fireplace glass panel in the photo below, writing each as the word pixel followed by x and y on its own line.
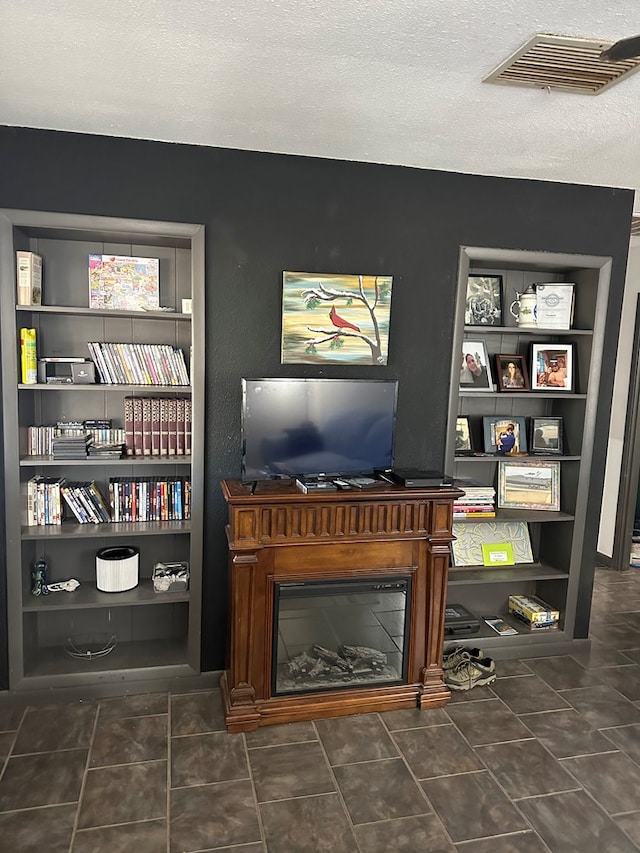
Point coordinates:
pixel 340 634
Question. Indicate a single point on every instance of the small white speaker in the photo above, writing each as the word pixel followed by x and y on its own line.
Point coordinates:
pixel 117 568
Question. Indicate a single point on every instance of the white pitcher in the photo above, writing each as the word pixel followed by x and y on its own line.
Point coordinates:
pixel 524 307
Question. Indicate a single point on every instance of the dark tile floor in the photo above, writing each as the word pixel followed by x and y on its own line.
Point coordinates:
pixel 546 759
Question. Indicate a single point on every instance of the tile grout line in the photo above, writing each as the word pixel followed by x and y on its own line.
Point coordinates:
pixel 169 754
pixel 263 835
pixel 84 777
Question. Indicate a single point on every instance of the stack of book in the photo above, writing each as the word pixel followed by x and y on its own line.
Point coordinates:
pixel 68 446
pixel 478 501
pixel 106 451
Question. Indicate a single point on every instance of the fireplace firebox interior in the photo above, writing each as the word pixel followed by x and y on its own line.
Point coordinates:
pixel 341 634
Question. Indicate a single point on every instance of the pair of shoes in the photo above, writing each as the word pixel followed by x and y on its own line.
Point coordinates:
pixel 470 672
pixel 454 654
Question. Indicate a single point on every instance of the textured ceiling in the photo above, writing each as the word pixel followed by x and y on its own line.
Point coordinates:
pixel 387 81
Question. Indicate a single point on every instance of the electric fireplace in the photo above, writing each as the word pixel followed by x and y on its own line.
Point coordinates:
pixel 336 601
pixel 340 634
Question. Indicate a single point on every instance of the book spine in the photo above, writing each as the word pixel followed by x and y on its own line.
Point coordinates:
pixel 70 502
pixel 28 356
pixel 146 426
pixel 99 501
pixel 29 278
pixel 155 426
pixel 164 427
pixel 128 426
pixel 137 426
pixel 172 437
pixel 187 427
pixel 180 426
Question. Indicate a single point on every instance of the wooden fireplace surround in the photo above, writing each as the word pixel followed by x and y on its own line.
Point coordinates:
pixel 278 534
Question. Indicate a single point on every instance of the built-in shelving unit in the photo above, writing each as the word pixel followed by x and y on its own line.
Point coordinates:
pixel 562 571
pixel 158 634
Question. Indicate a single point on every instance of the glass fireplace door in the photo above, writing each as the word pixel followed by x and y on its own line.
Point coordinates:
pixel 338 634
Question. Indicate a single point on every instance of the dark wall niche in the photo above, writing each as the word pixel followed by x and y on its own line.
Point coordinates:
pixel 265 213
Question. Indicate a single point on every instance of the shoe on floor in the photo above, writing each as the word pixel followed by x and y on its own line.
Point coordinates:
pixel 454 654
pixel 470 672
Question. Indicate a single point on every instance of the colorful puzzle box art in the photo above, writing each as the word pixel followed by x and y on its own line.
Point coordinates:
pixel 123 283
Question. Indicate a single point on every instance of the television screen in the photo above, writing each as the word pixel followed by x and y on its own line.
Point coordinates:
pixel 312 427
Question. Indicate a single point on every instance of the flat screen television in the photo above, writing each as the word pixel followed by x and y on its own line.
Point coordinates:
pixel 316 427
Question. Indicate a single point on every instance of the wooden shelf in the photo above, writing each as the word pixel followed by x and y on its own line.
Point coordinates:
pixel 92 461
pixel 88 596
pixel 503 395
pixel 103 386
pixel 526 331
pixel 162 656
pixel 530 457
pixel 108 530
pixel 537 515
pixel 505 574
pixel 99 312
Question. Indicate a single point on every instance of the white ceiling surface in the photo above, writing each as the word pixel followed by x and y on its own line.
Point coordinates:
pixel 385 81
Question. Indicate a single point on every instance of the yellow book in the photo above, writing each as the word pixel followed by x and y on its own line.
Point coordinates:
pixel 28 357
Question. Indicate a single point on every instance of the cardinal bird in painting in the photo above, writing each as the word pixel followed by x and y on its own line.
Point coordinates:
pixel 340 322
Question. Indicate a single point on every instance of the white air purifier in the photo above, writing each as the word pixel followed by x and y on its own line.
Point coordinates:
pixel 117 568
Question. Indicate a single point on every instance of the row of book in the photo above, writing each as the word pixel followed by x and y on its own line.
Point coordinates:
pixel 153 426
pixel 478 501
pixel 157 426
pixel 40 438
pixel 150 498
pixel 139 364
pixel 51 500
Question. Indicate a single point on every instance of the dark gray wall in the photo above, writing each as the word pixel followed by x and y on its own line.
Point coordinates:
pixel 268 213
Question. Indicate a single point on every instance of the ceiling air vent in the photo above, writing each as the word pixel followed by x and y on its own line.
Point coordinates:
pixel 635 226
pixel 560 62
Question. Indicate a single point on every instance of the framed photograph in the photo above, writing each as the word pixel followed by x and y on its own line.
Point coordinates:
pixel 552 367
pixel 512 373
pixel 475 372
pixel 546 435
pixel 528 485
pixel 504 434
pixel 463 435
pixel 483 305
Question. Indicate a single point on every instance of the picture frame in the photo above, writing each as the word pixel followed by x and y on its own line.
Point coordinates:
pixel 528 485
pixel 546 435
pixel 552 367
pixel 483 301
pixel 504 434
pixel 335 318
pixel 475 370
pixel 511 372
pixel 463 435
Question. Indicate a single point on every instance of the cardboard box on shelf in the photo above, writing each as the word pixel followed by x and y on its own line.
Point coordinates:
pixel 532 609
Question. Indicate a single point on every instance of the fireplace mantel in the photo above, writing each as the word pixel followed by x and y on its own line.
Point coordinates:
pixel 278 534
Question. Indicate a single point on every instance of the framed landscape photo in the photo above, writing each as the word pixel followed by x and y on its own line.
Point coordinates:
pixel 528 485
pixel 546 435
pixel 475 371
pixel 483 305
pixel 552 367
pixel 504 434
pixel 511 373
pixel 463 435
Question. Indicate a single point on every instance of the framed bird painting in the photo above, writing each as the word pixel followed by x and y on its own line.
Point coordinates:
pixel 335 319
